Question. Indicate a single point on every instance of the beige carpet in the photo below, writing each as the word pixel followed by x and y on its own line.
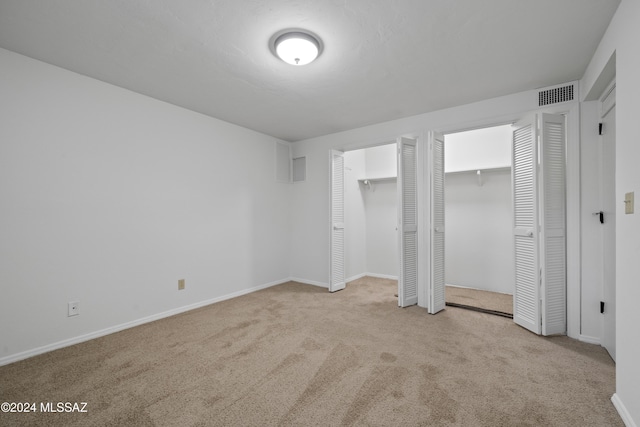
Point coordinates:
pixel 297 355
pixel 477 298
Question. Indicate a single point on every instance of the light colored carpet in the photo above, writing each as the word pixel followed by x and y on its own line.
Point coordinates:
pixel 297 355
pixel 477 298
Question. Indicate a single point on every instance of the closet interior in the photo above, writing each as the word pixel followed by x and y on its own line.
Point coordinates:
pixel 479 253
pixel 371 241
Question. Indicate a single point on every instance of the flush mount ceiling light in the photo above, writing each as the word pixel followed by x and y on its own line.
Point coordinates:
pixel 295 47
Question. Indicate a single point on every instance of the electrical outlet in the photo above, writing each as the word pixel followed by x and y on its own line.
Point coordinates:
pixel 181 284
pixel 74 308
pixel 628 203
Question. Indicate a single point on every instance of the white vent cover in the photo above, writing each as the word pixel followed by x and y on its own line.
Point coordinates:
pixel 555 95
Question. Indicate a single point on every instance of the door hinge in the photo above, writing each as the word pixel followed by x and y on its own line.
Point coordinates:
pixel 601 307
pixel 599 128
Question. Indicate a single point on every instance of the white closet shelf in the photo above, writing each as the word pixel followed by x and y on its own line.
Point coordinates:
pixel 378 179
pixel 494 169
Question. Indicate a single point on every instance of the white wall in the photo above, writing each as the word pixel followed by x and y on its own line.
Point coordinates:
pixel 355 217
pixel 622 39
pixel 109 197
pixel 479 235
pixel 382 212
pixel 478 149
pixel 382 161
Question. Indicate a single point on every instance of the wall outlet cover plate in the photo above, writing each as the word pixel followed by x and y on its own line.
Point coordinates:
pixel 73 308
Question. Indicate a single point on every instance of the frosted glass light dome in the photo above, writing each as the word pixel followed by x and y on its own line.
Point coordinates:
pixel 297 47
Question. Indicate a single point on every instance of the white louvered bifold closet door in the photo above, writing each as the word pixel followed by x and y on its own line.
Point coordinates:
pixel 552 196
pixel 408 222
pixel 337 264
pixel 526 297
pixel 437 283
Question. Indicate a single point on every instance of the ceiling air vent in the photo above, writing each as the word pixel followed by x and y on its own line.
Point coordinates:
pixel 555 95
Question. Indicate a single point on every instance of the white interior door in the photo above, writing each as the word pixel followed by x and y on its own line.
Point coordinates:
pixel 552 220
pixel 609 226
pixel 526 297
pixel 436 299
pixel 407 222
pixel 337 263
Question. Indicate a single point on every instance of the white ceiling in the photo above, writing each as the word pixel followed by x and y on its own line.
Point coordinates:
pixel 383 59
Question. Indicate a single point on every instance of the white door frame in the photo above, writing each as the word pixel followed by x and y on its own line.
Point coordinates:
pixel 606 105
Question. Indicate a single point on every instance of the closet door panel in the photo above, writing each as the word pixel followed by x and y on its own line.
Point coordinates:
pixel 553 261
pixel 437 229
pixel 526 297
pixel 337 262
pixel 407 222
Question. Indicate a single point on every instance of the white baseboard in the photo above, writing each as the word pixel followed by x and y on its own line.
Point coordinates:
pixel 622 410
pixel 107 331
pixel 356 277
pixel 381 276
pixel 478 289
pixel 309 282
pixel 350 279
pixel 459 286
pixel 589 340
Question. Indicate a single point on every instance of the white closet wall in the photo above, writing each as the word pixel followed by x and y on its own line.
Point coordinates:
pixel 479 240
pixel 371 213
pixel 382 212
pixel 478 149
pixel 354 216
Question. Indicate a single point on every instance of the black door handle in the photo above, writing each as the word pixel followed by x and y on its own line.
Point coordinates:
pixel 601 215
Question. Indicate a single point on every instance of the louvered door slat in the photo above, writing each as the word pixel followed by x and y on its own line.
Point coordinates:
pixel 337 272
pixel 408 222
pixel 554 307
pixel 437 285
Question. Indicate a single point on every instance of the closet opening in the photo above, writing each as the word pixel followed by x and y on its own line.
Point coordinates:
pixel 539 224
pixel 479 253
pixel 379 164
pixel 371 216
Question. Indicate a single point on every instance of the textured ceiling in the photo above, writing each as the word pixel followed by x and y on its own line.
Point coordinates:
pixel 383 59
